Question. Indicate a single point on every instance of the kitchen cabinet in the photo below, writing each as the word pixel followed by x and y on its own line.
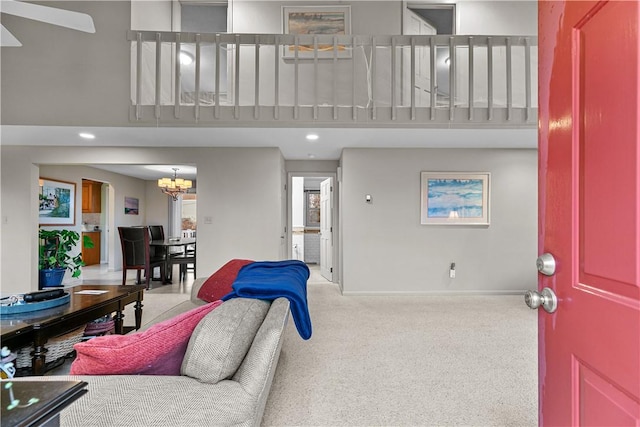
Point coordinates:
pixel 91 256
pixel 91 194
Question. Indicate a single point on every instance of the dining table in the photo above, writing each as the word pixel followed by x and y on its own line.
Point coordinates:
pixel 166 245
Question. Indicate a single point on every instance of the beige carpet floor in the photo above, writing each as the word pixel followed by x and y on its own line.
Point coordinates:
pixel 401 361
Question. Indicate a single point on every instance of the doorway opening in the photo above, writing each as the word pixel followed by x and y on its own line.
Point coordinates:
pixel 311 220
pixel 441 16
pixel 198 17
pixel 188 214
pixel 95 220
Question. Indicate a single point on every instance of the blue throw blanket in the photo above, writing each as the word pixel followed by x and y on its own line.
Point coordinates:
pixel 269 280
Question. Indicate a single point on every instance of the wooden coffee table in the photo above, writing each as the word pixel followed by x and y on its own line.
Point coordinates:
pixel 37 327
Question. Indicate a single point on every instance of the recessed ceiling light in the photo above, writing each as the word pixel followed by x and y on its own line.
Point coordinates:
pixel 312 137
pixel 87 135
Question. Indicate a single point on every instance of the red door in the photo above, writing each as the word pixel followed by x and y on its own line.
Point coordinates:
pixel 589 212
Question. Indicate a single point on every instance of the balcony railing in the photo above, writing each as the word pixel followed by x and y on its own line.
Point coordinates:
pixel 232 79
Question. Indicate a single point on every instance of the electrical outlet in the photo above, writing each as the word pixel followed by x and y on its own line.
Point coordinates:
pixel 452 274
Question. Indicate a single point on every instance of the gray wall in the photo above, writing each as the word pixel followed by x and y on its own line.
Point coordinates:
pixel 387 250
pixel 497 17
pixel 64 77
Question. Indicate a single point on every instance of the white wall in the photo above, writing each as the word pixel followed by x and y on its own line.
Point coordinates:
pixel 497 17
pixel 156 205
pixel 245 212
pixel 295 166
pixel 386 250
pixel 153 15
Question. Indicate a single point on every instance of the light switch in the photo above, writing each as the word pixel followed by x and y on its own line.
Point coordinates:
pixel 368 198
pixel 208 220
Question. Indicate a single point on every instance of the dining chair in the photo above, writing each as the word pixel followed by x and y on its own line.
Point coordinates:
pixel 189 234
pixel 136 254
pixel 183 259
pixel 156 232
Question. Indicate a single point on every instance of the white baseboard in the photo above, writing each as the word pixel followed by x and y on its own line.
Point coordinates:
pixel 435 293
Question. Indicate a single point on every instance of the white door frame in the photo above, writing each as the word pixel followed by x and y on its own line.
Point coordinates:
pixel 112 232
pixel 334 213
pixel 326 229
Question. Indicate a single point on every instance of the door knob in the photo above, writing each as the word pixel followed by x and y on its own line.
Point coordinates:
pixel 547 299
pixel 546 264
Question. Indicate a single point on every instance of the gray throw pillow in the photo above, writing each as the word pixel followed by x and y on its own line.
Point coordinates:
pixel 223 337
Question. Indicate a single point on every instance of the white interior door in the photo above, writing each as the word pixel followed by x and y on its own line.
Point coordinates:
pixel 326 229
pixel 416 25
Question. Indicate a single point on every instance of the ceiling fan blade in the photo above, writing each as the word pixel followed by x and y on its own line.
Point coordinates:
pixel 7 39
pixel 50 15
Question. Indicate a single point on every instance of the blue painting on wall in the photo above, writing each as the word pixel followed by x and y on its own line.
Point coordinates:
pixel 455 198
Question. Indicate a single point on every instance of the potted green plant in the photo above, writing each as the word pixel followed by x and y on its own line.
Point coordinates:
pixel 55 258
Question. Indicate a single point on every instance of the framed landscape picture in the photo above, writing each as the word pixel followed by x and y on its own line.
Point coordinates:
pixel 131 206
pixel 56 202
pixel 454 198
pixel 311 20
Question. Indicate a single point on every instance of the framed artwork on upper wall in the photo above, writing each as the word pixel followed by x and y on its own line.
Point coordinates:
pixel 454 198
pixel 56 202
pixel 321 20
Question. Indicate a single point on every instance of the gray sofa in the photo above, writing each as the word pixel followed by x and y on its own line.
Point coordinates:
pixel 201 395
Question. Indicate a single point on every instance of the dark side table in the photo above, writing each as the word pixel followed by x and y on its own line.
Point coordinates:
pixel 37 403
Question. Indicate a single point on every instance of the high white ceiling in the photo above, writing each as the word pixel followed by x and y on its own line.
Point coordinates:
pixel 291 141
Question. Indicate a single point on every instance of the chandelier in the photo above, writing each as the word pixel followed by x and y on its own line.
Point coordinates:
pixel 175 186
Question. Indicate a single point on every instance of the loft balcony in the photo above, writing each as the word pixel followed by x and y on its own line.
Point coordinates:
pixel 322 80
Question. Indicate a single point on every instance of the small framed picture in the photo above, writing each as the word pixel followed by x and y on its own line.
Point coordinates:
pixel 131 206
pixel 454 198
pixel 56 202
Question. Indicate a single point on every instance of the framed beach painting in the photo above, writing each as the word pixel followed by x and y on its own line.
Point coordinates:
pixel 131 206
pixel 454 198
pixel 312 20
pixel 56 202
